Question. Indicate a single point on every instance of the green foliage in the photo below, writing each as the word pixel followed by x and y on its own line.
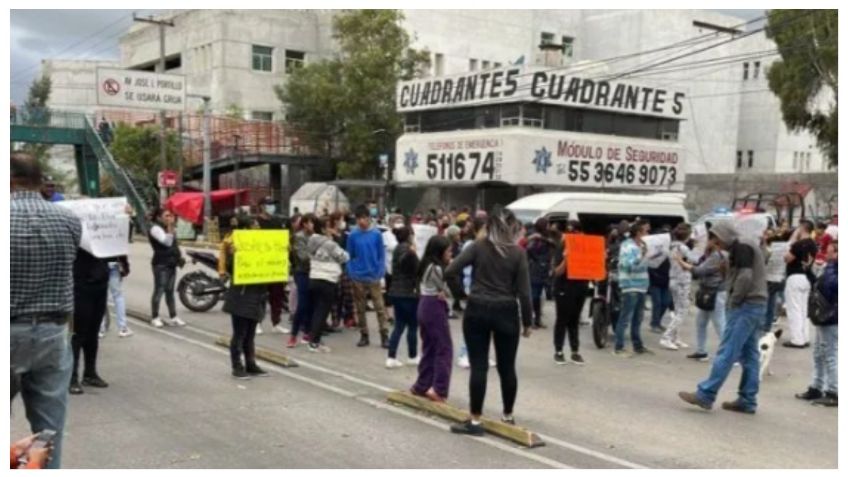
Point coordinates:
pixel 345 106
pixel 34 112
pixel 234 111
pixel 807 72
pixel 136 149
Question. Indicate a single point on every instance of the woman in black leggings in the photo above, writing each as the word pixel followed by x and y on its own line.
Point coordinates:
pixel 499 290
pixel 570 297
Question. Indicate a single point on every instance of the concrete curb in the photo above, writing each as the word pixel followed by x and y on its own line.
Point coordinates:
pixel 512 433
pixel 263 353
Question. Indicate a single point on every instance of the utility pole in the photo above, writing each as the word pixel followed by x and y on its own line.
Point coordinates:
pixel 160 68
pixel 207 168
pixel 236 161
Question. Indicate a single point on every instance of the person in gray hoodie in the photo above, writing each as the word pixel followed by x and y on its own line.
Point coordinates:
pixel 746 311
pixel 326 258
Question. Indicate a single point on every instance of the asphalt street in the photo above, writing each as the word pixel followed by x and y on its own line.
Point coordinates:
pixel 172 403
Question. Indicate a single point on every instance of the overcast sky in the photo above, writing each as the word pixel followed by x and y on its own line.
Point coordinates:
pixel 89 34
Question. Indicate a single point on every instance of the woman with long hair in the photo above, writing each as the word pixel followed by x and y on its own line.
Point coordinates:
pixel 166 258
pixel 326 258
pixel 498 308
pixel 434 371
pixel 402 292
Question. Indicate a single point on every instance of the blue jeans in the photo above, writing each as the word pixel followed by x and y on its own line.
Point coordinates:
pixel 41 355
pixel 406 309
pixel 774 290
pixel 740 342
pixel 303 313
pixel 703 318
pixel 825 359
pixel 660 303
pixel 632 309
pixel 118 299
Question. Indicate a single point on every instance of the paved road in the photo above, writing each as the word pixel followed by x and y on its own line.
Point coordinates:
pixel 609 413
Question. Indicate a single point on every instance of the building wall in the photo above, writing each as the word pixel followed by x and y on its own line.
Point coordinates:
pixel 73 83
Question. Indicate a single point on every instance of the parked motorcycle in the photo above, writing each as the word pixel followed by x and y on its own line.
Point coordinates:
pixel 200 291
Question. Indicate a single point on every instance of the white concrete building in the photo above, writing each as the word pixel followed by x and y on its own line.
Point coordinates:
pixel 73 83
pixel 239 56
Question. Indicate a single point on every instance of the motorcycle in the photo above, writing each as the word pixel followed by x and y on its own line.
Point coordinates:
pixel 198 290
pixel 606 304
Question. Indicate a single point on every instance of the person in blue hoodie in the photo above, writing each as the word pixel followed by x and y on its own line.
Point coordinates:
pixel 367 266
pixel 633 282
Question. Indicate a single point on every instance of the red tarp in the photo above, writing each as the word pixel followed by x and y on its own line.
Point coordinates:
pixel 189 205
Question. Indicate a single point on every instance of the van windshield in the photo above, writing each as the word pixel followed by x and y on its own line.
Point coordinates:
pixel 526 215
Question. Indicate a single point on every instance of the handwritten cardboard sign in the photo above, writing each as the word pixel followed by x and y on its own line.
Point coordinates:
pixel 423 233
pixel 261 256
pixel 658 248
pixel 585 257
pixel 776 266
pixel 105 225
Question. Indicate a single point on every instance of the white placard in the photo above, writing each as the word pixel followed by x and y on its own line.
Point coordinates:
pixel 105 225
pixel 423 233
pixel 751 226
pixel 658 248
pixel 523 156
pixel 700 236
pixel 140 89
pixel 776 266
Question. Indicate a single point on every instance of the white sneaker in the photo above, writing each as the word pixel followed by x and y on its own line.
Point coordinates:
pixel 393 363
pixel 492 362
pixel 681 344
pixel 125 333
pixel 259 329
pixel 664 343
pixel 321 348
pixel 463 363
pixel 101 335
pixel 157 323
pixel 414 361
pixel 178 322
pixel 280 329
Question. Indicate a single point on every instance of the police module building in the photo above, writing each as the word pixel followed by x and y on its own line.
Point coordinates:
pixel 489 137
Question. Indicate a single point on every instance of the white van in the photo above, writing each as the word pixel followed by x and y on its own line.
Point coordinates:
pixel 596 211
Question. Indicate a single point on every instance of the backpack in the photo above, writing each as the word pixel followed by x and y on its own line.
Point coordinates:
pixel 818 308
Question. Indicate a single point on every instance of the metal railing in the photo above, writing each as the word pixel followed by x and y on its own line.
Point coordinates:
pixel 48 118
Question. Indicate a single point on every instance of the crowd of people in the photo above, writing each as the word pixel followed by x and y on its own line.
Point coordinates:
pixel 484 266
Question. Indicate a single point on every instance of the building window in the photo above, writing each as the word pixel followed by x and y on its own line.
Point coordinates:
pixel 262 58
pixel 547 38
pixel 262 115
pixel 294 60
pixel 485 65
pixel 496 65
pixel 739 159
pixel 472 64
pixel 750 159
pixel 510 115
pixel 808 161
pixel 756 69
pixel 795 160
pixel 531 115
pixel 567 47
pixel 744 71
pixel 439 64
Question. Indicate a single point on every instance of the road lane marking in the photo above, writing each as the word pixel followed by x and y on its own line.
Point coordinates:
pixel 304 364
pixel 378 404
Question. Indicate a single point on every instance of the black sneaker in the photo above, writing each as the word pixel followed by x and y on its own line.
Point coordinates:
pixel 810 394
pixel 75 387
pixel 469 428
pixel 94 381
pixel 577 359
pixel 559 358
pixel 384 340
pixel 699 356
pixel 363 341
pixel 658 329
pixel 830 399
pixel 240 373
pixel 643 350
pixel 256 372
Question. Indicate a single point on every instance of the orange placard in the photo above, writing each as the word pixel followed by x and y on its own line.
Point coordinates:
pixel 585 257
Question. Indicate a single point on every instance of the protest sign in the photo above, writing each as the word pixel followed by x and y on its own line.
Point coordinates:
pixel 422 236
pixel 185 230
pixel 585 257
pixel 261 256
pixel 776 266
pixel 700 237
pixel 105 225
pixel 751 226
pixel 658 248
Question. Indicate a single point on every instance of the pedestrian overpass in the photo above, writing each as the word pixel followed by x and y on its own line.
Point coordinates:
pixel 90 153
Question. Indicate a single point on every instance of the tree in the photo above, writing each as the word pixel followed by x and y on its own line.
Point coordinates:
pixel 234 111
pixel 806 77
pixel 345 106
pixel 35 113
pixel 136 150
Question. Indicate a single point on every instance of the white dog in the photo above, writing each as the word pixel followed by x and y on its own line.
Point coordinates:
pixel 767 345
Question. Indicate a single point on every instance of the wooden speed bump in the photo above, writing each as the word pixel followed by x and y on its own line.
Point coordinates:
pixel 507 431
pixel 263 354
